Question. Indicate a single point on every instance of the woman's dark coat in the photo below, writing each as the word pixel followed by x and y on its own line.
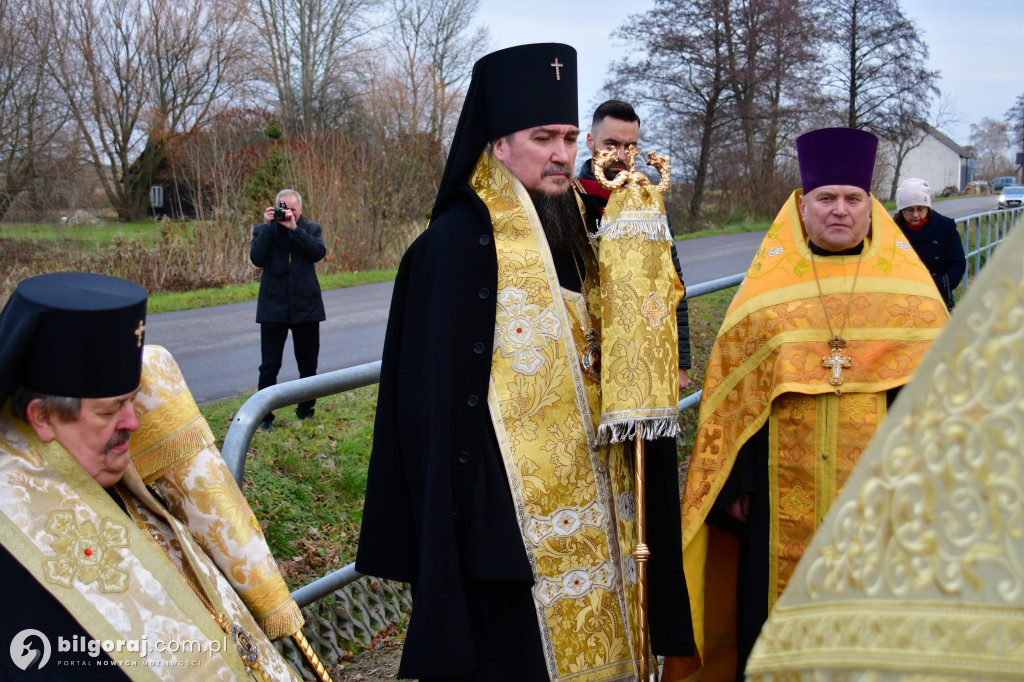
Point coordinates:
pixel 938 245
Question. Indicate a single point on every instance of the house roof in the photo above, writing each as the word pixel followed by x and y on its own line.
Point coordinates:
pixel 944 139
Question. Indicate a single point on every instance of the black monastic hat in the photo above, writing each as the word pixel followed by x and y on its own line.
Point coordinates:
pixel 836 156
pixel 512 89
pixel 73 334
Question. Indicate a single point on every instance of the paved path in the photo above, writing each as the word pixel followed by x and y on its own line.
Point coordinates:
pixel 218 348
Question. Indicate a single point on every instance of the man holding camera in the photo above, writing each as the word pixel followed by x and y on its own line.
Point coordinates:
pixel 286 246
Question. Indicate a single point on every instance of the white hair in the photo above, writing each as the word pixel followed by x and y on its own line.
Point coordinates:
pixel 298 197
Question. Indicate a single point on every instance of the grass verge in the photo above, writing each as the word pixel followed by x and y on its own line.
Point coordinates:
pixel 733 228
pixel 165 302
pixel 92 236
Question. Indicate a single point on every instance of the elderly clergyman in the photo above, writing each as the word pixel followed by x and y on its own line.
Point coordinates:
pixel 101 572
pixel 487 490
pixel 835 313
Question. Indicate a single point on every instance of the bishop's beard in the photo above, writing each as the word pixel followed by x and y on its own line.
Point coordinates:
pixel 560 217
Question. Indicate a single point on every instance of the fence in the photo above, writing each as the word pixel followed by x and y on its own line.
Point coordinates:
pixel 980 233
pixel 993 226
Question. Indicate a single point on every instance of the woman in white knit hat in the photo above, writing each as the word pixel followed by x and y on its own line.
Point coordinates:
pixel 933 236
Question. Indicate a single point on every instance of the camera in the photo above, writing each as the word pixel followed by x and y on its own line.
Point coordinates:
pixel 279 212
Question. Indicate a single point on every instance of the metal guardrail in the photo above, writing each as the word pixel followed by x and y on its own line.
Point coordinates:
pixel 262 403
pixel 985 230
pixel 994 225
pixel 248 417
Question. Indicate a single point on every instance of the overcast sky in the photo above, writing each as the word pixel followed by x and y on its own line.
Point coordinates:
pixel 977 45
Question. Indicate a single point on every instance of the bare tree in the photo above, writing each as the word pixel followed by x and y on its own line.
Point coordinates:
pixel 990 139
pixel 99 66
pixel 904 124
pixel 307 49
pixel 194 57
pixel 1015 118
pixel 876 50
pixel 770 48
pixel 139 73
pixel 434 48
pixel 682 78
pixel 32 111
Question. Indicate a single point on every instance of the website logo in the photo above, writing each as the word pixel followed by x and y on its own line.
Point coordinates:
pixel 30 649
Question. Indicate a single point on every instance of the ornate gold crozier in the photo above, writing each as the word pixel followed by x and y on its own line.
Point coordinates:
pixel 639 214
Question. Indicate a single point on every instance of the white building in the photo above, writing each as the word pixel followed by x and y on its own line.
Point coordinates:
pixel 937 159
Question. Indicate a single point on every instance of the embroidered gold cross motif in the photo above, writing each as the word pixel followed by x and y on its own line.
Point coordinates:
pixel 654 311
pixel 558 68
pixel 138 334
pixel 837 362
pixel 86 553
pixel 522 330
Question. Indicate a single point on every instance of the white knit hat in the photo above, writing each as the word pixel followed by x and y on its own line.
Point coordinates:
pixel 913 192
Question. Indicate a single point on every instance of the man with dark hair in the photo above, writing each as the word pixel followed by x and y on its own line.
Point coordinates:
pixel 487 488
pixel 617 126
pixel 834 315
pixel 90 553
pixel 288 247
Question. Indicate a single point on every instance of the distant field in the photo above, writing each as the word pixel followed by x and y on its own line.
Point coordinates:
pixel 85 235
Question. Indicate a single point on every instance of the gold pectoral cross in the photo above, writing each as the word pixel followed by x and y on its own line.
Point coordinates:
pixel 837 362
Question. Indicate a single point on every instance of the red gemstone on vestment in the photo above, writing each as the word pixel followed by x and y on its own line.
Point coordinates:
pixel 88 552
pixel 519 330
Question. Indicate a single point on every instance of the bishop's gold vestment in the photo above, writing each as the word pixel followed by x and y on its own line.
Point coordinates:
pixel 142 576
pixel 574 499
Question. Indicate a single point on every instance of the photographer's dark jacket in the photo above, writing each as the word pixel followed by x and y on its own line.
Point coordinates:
pixel 289 290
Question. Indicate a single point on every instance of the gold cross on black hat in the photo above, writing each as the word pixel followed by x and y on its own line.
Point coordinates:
pixel 138 334
pixel 558 68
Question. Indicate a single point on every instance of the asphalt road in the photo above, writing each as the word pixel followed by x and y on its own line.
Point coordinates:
pixel 218 348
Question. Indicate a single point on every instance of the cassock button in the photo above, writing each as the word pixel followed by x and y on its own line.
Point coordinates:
pixel 483 293
pixel 463 457
pixel 485 239
pixel 478 348
pixel 472 400
pixel 824 455
pixel 455 510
